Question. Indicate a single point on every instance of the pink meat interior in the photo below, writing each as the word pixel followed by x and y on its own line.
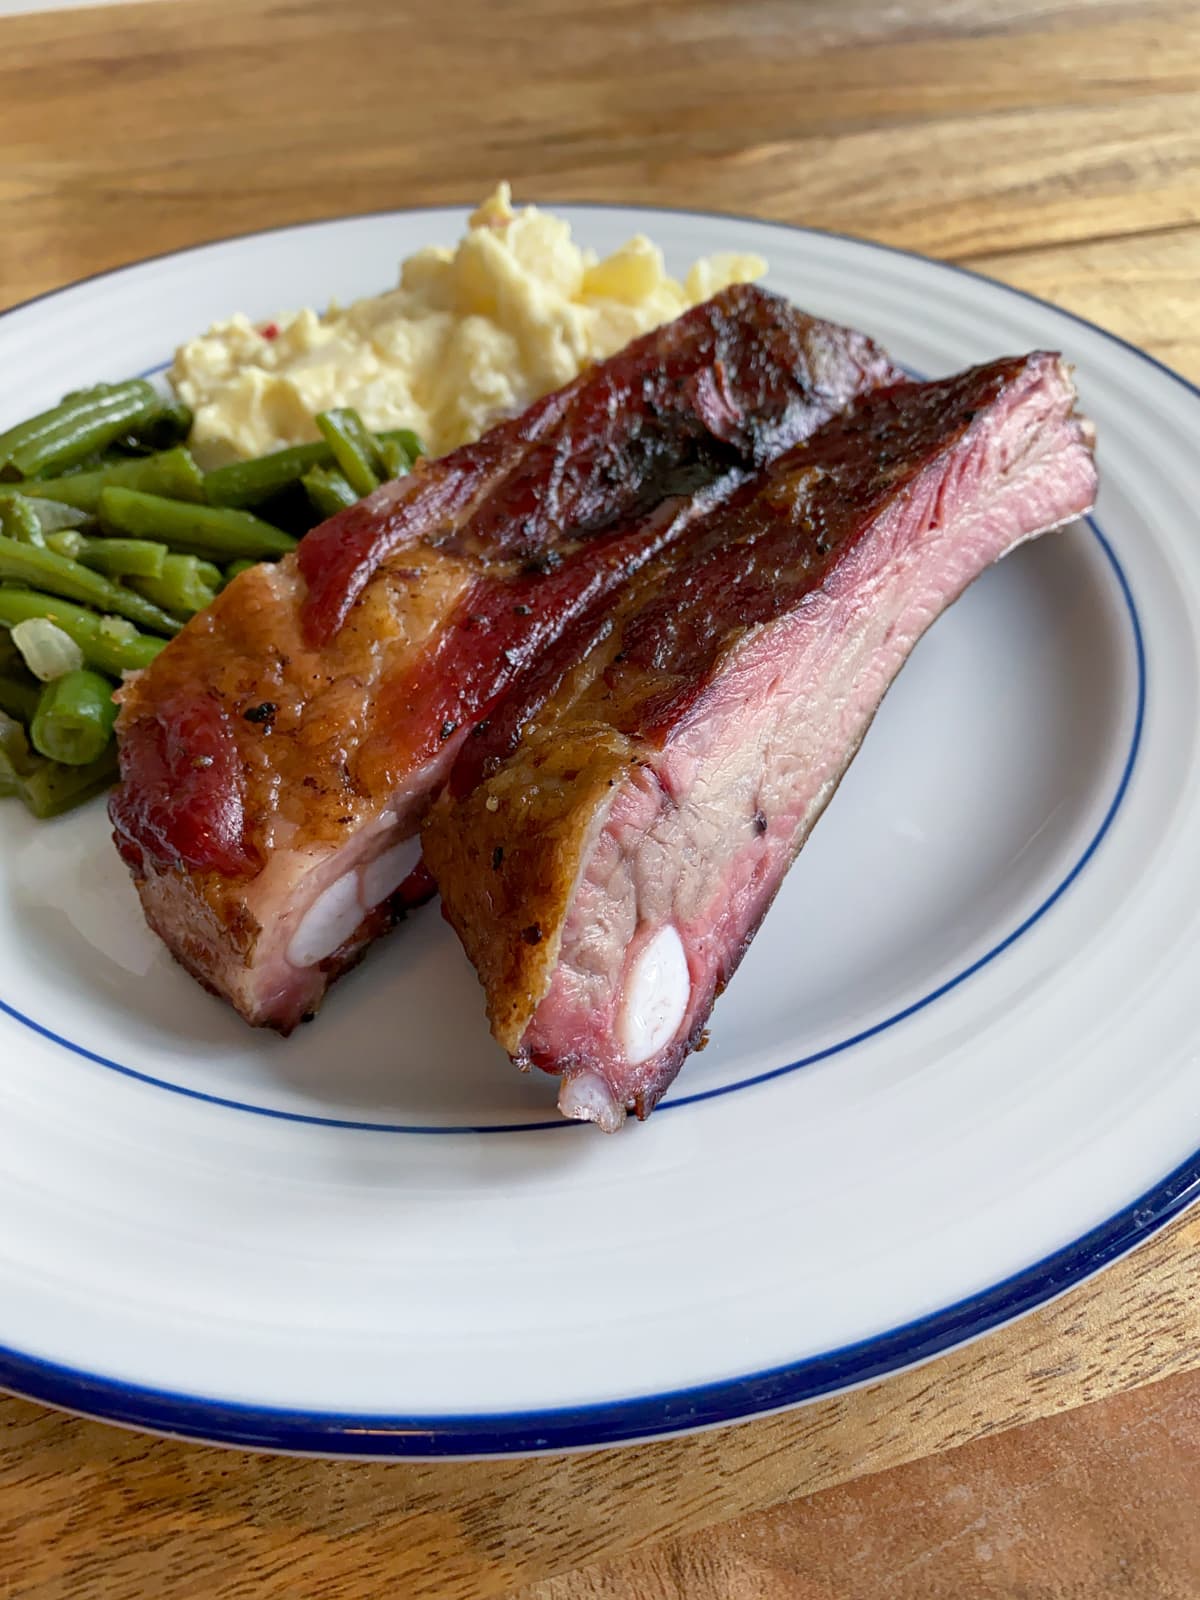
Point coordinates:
pixel 744 760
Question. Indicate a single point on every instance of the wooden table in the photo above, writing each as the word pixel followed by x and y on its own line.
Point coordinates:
pixel 1056 148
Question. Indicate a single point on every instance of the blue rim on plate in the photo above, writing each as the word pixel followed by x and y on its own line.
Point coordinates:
pixel 617 1421
pixel 612 1422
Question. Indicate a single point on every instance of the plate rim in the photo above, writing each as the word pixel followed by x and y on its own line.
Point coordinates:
pixel 607 1423
pixel 623 1421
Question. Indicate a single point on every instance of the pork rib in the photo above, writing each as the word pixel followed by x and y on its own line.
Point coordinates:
pixel 279 755
pixel 608 849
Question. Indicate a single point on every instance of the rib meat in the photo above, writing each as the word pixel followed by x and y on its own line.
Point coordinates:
pixel 279 755
pixel 610 846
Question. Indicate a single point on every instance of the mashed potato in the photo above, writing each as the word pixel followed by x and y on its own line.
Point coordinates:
pixel 470 335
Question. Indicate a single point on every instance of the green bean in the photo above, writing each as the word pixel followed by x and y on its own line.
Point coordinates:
pixel 51 787
pixel 17 699
pixel 16 759
pixel 118 558
pixel 408 441
pixel 214 532
pixel 180 588
pixel 74 718
pixel 85 421
pixel 169 426
pixel 19 521
pixel 328 491
pixel 173 473
pixel 395 458
pixel 110 644
pixel 94 461
pixel 249 483
pixel 354 449
pixel 236 568
pixel 26 564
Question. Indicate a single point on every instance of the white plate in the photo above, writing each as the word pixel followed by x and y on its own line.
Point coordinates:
pixel 379 1239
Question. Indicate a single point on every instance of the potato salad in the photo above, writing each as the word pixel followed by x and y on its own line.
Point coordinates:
pixel 470 335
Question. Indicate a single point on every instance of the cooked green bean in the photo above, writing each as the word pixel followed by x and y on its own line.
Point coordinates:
pixel 110 644
pixel 173 473
pixel 170 425
pixel 17 699
pixel 249 483
pixel 328 491
pixel 50 787
pixel 19 521
pixel 236 568
pixel 215 532
pixel 85 421
pixel 181 587
pixel 118 558
pixel 395 458
pixel 354 449
pixel 74 718
pixel 16 759
pixel 26 564
pixel 408 441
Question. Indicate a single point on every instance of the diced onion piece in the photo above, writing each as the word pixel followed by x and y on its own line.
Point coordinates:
pixel 53 515
pixel 49 652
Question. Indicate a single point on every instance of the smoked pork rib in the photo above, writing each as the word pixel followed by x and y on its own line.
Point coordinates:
pixel 608 848
pixel 278 756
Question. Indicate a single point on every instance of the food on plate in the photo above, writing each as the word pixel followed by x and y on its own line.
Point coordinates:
pixel 108 544
pixel 279 755
pixel 128 536
pixel 74 717
pixel 48 787
pixel 470 336
pixel 87 421
pixel 594 666
pixel 66 615
pixel 607 849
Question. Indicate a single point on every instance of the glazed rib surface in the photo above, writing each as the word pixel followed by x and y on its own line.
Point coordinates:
pixel 278 757
pixel 610 846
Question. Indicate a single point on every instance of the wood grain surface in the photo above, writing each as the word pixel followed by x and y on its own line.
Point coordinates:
pixel 88 1510
pixel 1054 146
pixel 1096 1502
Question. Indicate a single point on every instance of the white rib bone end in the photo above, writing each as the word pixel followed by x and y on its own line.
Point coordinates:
pixel 655 1002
